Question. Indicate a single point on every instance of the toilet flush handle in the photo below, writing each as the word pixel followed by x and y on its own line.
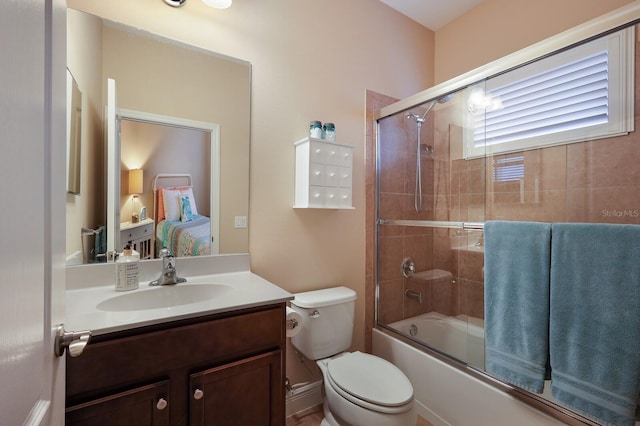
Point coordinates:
pixel 314 314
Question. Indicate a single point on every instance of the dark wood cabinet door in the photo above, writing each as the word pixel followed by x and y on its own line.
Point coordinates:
pixel 142 406
pixel 246 392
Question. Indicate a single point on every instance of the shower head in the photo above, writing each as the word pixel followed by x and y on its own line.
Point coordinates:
pixel 441 100
pixel 444 99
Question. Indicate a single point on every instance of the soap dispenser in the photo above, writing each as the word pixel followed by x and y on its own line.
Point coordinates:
pixel 127 270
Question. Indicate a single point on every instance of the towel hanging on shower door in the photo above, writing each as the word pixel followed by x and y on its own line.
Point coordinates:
pixel 594 333
pixel 517 263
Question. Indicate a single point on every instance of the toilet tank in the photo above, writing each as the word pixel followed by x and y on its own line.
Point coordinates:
pixel 327 321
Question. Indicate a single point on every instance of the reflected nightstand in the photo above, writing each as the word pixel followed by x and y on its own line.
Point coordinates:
pixel 140 235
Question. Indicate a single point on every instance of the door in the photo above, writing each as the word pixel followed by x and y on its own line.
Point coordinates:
pixel 146 405
pixel 245 392
pixel 32 131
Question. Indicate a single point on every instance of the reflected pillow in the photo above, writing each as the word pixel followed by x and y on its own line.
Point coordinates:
pixel 188 191
pixel 185 209
pixel 171 204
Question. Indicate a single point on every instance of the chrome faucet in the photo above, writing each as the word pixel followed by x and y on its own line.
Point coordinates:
pixel 169 275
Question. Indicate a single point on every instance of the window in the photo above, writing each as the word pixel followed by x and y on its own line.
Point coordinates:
pixel 508 169
pixel 579 94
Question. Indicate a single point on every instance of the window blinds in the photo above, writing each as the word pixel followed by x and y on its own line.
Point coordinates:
pixel 572 96
pixel 583 93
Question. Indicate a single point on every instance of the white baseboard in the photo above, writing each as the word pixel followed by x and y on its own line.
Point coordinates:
pixel 304 397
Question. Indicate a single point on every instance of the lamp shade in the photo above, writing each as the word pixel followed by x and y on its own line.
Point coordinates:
pixel 135 181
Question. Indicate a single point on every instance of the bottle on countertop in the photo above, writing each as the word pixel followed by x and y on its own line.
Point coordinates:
pixel 127 270
pixel 134 253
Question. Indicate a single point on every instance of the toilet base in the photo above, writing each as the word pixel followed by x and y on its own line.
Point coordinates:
pixel 340 412
pixel 328 419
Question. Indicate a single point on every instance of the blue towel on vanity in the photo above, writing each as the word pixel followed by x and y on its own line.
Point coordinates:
pixel 517 262
pixel 594 333
pixel 100 244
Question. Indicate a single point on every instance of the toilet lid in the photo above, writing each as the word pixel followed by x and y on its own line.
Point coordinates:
pixel 371 379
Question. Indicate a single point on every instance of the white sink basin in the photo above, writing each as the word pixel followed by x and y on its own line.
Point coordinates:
pixel 163 297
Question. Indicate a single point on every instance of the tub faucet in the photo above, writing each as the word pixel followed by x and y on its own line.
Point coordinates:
pixel 169 275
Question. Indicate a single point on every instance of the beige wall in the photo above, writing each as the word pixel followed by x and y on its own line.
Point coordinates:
pixel 311 60
pixel 497 28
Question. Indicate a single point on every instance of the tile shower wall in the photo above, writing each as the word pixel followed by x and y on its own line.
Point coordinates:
pixel 397 168
pixel 591 181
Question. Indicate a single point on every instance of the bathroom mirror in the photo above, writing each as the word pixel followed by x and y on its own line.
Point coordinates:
pixel 74 134
pixel 158 77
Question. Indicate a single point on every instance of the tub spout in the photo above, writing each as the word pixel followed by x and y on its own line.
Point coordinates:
pixel 413 295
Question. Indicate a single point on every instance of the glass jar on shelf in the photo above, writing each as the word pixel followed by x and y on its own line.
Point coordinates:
pixel 329 132
pixel 315 129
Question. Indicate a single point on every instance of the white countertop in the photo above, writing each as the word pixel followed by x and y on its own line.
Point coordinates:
pixel 247 290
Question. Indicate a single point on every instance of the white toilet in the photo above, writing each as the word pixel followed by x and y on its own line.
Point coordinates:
pixel 359 389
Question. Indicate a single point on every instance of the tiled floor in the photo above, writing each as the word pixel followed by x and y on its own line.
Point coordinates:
pixel 313 416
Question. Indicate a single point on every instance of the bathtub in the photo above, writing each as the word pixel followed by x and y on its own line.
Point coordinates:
pixel 448 395
pixel 460 337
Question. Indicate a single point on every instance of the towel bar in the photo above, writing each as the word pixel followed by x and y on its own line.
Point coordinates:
pixel 468 226
pixel 88 231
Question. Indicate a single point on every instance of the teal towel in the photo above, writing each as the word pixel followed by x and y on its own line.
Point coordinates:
pixel 100 244
pixel 595 320
pixel 517 262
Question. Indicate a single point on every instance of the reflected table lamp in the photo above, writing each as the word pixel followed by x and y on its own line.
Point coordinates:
pixel 135 188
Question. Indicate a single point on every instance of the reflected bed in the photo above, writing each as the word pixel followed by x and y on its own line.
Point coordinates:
pixel 179 227
pixel 191 238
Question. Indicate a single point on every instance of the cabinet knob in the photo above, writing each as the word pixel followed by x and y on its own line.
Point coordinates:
pixel 198 394
pixel 162 404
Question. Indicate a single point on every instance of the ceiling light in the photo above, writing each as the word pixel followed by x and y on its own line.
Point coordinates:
pixel 175 3
pixel 218 4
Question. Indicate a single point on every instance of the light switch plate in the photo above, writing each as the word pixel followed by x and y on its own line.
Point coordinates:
pixel 240 221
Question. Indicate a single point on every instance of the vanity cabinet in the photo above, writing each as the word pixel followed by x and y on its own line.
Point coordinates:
pixel 224 370
pixel 323 174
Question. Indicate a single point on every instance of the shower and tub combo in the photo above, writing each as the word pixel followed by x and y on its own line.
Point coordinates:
pixel 446 164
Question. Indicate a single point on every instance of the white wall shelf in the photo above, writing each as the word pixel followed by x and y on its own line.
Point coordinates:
pixel 323 174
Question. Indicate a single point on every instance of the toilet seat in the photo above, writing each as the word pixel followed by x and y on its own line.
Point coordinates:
pixel 370 382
